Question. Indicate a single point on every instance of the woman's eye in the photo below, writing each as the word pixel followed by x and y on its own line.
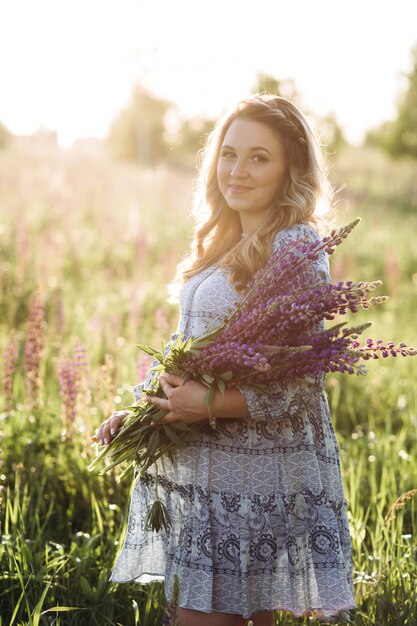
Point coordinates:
pixel 228 155
pixel 259 158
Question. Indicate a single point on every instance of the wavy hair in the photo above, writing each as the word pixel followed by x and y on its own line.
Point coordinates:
pixel 304 197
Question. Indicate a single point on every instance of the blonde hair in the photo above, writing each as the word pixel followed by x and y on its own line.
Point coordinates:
pixel 304 197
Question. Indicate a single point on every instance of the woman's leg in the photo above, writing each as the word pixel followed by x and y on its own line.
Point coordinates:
pixel 262 618
pixel 189 617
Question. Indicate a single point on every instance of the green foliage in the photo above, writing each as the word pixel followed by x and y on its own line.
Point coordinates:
pixel 404 136
pixel 150 131
pixel 41 576
pixel 331 135
pixel 329 131
pixel 190 139
pixel 399 136
pixel 269 84
pixel 5 136
pixel 103 241
pixel 137 134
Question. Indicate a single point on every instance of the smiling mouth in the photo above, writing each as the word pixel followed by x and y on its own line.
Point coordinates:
pixel 239 188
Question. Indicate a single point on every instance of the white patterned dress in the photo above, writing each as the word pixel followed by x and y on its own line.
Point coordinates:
pixel 259 514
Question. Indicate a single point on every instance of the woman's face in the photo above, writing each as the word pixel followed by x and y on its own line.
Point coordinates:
pixel 250 169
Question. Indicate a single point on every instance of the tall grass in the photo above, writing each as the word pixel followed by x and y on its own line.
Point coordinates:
pixel 86 249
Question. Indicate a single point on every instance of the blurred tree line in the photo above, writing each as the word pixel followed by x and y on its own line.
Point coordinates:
pixel 398 137
pixel 329 131
pixel 151 130
pixel 5 136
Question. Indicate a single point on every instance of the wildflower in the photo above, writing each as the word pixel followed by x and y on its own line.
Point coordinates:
pixel 82 380
pixel 161 321
pixel 171 615
pixel 142 366
pixel 10 355
pixel 67 385
pixel 34 348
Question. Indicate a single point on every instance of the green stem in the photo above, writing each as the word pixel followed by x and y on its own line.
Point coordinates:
pixel 156 480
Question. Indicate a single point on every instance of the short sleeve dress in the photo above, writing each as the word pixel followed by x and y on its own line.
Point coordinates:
pixel 258 514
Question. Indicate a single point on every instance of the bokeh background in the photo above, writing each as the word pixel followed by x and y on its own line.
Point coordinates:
pixel 103 107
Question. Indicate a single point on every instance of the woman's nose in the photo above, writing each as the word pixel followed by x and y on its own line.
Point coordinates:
pixel 239 170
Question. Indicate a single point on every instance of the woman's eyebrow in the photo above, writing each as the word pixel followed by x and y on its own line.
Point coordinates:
pixel 255 148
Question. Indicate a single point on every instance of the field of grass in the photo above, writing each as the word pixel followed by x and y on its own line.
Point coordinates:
pixel 87 247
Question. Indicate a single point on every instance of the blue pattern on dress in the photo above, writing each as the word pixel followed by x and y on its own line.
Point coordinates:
pixel 259 514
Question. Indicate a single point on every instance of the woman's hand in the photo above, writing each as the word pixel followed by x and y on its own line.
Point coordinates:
pixel 109 427
pixel 184 401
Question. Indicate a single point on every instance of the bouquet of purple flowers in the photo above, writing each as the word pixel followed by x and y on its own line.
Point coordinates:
pixel 276 332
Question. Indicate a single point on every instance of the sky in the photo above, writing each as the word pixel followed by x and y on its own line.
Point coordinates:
pixel 69 65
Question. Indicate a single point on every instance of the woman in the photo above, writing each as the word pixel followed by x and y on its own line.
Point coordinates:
pixel 258 515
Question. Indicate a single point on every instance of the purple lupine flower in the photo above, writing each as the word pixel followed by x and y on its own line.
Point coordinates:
pixel 257 342
pixel 83 383
pixel 34 348
pixel 10 355
pixel 67 385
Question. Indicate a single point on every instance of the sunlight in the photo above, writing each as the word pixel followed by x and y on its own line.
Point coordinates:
pixel 70 66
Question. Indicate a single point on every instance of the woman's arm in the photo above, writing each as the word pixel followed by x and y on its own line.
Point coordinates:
pixel 283 393
pixel 231 404
pixel 185 401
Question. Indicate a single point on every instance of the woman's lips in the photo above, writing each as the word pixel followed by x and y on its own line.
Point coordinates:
pixel 239 188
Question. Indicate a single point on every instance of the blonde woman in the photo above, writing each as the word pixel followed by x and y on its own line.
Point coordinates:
pixel 258 515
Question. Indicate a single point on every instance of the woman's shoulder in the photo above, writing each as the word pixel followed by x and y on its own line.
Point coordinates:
pixel 295 231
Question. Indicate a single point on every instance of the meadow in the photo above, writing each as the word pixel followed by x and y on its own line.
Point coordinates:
pixel 87 246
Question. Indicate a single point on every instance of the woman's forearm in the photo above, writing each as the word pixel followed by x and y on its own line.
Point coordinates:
pixel 231 404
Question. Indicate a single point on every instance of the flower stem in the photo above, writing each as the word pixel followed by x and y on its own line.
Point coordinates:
pixel 156 480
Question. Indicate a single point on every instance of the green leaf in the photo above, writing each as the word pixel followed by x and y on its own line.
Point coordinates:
pixel 201 344
pixel 146 349
pixel 63 609
pixel 85 586
pixel 153 443
pixel 336 326
pixel 172 435
pixel 227 375
pixel 208 398
pixel 126 472
pixel 221 386
pixel 182 426
pixel 157 517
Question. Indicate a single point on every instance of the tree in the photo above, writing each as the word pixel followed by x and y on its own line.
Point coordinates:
pixel 404 136
pixel 150 130
pixel 399 136
pixel 138 132
pixel 191 138
pixel 330 132
pixel 270 84
pixel 5 136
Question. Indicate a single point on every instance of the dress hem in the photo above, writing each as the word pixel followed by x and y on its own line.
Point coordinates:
pixel 154 577
pixel 334 613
